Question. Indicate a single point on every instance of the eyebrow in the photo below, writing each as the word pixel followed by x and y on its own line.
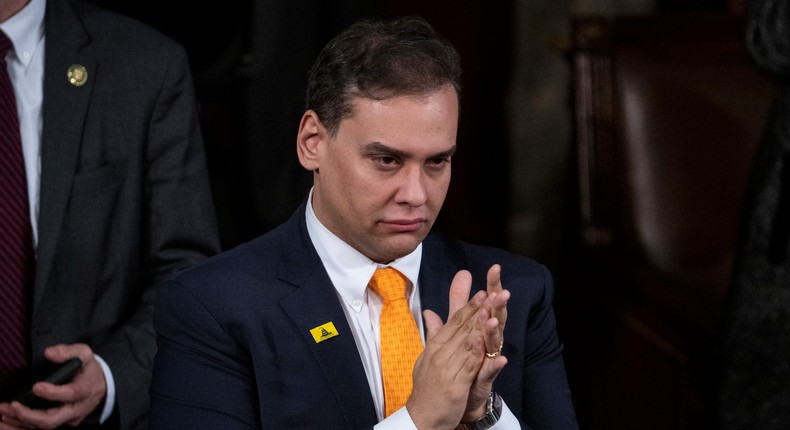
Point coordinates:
pixel 378 147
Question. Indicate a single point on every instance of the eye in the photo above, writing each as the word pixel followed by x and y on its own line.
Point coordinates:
pixel 386 161
pixel 438 162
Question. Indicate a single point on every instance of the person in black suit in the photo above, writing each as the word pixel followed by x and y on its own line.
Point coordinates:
pixel 283 332
pixel 120 200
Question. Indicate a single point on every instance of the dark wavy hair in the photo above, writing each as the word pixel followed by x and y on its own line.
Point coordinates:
pixel 379 60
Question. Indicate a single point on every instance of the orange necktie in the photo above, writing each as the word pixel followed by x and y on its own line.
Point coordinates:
pixel 400 339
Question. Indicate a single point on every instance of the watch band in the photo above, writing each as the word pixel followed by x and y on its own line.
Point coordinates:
pixel 493 412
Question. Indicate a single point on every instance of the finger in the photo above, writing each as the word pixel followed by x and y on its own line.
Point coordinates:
pixel 5 409
pixel 493 336
pixel 88 384
pixel 490 370
pixel 494 286
pixel 500 299
pixel 10 425
pixel 493 279
pixel 60 353
pixel 66 393
pixel 433 323
pixel 497 304
pixel 471 356
pixel 45 418
pixel 459 319
pixel 456 348
pixel 459 291
pixel 500 308
pixel 8 417
pixel 465 351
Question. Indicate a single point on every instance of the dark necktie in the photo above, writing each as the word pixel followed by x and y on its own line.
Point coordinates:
pixel 16 243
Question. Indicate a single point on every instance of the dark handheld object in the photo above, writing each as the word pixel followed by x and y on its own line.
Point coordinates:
pixel 64 373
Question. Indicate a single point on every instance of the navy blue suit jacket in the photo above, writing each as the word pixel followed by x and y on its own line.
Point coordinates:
pixel 235 349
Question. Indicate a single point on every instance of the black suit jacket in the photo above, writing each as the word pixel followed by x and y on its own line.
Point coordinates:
pixel 124 196
pixel 235 349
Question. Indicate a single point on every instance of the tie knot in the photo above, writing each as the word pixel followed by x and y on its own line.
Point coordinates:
pixel 5 45
pixel 389 284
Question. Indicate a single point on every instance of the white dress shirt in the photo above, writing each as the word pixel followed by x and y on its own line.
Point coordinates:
pixel 26 70
pixel 350 271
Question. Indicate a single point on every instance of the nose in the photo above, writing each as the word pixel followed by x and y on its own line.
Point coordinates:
pixel 413 187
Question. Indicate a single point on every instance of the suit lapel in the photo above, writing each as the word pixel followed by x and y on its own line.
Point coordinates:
pixel 436 275
pixel 313 304
pixel 63 111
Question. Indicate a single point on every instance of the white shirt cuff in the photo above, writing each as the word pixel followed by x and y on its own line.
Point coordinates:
pixel 401 419
pixel 109 401
pixel 507 421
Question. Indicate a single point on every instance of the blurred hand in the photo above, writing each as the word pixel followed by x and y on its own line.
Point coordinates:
pixel 79 398
pixel 8 423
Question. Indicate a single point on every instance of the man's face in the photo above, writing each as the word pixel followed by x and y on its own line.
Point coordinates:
pixel 383 177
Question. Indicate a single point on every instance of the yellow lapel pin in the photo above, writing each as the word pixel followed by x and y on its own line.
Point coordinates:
pixel 77 75
pixel 324 332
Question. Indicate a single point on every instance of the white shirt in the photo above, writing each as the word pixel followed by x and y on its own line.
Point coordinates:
pixel 350 271
pixel 26 70
pixel 25 65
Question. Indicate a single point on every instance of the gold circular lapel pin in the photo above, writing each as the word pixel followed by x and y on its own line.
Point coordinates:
pixel 77 75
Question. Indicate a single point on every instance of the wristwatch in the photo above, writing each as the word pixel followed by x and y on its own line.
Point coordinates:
pixel 493 412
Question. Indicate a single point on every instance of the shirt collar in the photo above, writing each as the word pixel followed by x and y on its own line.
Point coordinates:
pixel 350 270
pixel 25 29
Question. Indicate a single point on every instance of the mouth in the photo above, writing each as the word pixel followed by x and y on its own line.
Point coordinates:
pixel 404 225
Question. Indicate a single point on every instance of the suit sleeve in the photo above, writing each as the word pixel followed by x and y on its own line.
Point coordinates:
pixel 546 396
pixel 202 377
pixel 178 227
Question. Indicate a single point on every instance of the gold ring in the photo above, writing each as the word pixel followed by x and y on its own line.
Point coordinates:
pixel 495 353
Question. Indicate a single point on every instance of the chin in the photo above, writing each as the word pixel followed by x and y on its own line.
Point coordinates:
pixel 403 247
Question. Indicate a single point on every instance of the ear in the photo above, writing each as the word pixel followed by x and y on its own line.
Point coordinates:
pixel 311 134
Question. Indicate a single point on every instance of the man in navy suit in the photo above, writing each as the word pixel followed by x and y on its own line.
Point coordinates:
pixel 283 332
